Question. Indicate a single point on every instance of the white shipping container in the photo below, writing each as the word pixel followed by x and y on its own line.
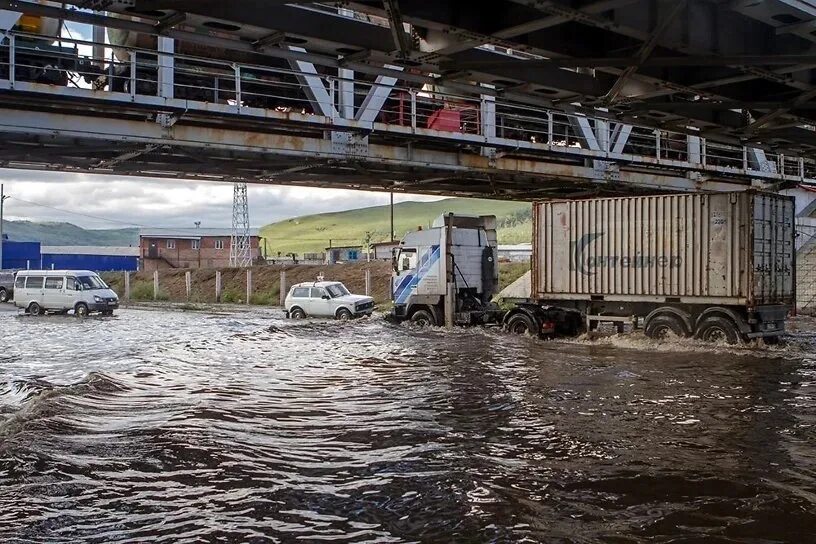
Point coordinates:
pixel 721 248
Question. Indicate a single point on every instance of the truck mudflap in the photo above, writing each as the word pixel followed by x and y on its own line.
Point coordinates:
pixel 768 321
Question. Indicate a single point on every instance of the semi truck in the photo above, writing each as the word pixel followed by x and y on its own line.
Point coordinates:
pixel 716 266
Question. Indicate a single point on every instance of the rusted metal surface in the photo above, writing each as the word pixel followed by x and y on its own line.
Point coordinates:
pixel 729 247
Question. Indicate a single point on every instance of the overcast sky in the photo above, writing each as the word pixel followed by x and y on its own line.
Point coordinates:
pixel 120 202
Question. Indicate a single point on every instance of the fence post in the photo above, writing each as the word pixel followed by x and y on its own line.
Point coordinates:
pixel 218 286
pixel 127 286
pixel 155 284
pixel 249 285
pixel 188 283
pixel 368 282
pixel 283 288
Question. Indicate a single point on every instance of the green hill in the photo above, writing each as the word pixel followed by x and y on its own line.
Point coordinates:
pixel 68 234
pixel 311 233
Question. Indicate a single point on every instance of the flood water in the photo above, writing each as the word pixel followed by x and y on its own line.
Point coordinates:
pixel 159 426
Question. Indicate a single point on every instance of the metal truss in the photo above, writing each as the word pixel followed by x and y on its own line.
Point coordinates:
pixel 306 120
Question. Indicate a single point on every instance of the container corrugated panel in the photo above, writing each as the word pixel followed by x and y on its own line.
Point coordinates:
pixel 733 248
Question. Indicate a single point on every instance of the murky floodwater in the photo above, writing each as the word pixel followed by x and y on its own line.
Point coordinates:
pixel 187 427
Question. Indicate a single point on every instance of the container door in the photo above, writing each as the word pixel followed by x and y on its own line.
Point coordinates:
pixel 773 250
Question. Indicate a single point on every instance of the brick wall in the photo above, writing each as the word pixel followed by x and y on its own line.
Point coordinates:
pixel 161 253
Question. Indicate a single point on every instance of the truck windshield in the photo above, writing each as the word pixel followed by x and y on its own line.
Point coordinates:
pixel 337 290
pixel 91 282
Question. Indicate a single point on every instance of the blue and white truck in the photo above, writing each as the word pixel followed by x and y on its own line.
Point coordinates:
pixel 717 266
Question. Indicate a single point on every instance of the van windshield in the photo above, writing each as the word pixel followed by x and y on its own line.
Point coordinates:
pixel 337 290
pixel 91 282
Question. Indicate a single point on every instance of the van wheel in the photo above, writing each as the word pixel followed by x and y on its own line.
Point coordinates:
pixel 35 309
pixel 297 313
pixel 423 318
pixel 661 326
pixel 343 314
pixel 718 329
pixel 81 310
pixel 520 324
pixel 3 295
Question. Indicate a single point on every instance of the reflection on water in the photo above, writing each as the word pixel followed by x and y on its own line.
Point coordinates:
pixel 193 427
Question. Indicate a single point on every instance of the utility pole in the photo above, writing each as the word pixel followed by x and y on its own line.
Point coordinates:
pixel 3 198
pixel 392 217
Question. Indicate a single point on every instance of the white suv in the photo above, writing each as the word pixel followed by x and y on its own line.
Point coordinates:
pixel 326 299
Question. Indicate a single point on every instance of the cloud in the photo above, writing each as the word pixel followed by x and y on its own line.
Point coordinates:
pixel 95 201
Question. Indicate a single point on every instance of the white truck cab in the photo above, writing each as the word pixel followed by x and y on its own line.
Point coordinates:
pixel 62 291
pixel 456 259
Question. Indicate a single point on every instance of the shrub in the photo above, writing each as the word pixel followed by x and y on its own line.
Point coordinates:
pixel 230 297
pixel 142 290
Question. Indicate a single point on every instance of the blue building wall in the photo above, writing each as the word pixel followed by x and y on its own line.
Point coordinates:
pixel 97 263
pixel 20 255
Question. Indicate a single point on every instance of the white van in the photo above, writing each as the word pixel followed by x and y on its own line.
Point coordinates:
pixel 60 291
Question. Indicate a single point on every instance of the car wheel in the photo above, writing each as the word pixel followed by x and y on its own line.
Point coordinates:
pixel 35 309
pixel 297 313
pixel 423 318
pixel 520 324
pixel 3 295
pixel 81 310
pixel 718 329
pixel 661 326
pixel 343 314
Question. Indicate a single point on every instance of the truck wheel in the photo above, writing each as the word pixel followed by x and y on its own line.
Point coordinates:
pixel 423 318
pixel 297 313
pixel 718 329
pixel 3 295
pixel 35 309
pixel 659 327
pixel 343 314
pixel 520 324
pixel 81 310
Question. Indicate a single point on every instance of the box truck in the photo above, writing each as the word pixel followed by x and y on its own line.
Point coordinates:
pixel 717 266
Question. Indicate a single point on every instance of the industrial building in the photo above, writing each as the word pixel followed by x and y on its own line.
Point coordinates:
pixel 383 251
pixel 34 256
pixel 515 252
pixel 100 259
pixel 190 248
pixel 344 254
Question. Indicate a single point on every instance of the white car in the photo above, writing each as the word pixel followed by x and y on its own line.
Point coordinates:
pixel 326 299
pixel 60 291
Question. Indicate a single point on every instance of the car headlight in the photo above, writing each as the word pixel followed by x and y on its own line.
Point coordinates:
pixel 98 299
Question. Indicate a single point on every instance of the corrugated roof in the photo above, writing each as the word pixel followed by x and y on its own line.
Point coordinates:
pixel 189 233
pixel 90 250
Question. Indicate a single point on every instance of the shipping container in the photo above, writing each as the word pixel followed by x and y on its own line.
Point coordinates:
pixel 723 248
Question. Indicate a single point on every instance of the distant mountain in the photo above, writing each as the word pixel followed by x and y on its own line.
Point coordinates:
pixel 311 233
pixel 68 234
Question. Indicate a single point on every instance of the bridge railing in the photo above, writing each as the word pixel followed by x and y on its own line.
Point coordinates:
pixel 207 84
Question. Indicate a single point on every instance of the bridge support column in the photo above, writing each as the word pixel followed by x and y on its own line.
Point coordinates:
pixel 166 66
pixel 488 122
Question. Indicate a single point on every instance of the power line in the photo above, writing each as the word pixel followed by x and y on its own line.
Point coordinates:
pixel 81 214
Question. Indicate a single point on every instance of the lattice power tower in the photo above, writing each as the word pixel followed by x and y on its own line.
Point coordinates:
pixel 240 252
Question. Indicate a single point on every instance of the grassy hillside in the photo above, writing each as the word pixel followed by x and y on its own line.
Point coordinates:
pixel 67 234
pixel 311 233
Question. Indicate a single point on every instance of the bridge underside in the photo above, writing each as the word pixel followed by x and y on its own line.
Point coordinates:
pixel 524 100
